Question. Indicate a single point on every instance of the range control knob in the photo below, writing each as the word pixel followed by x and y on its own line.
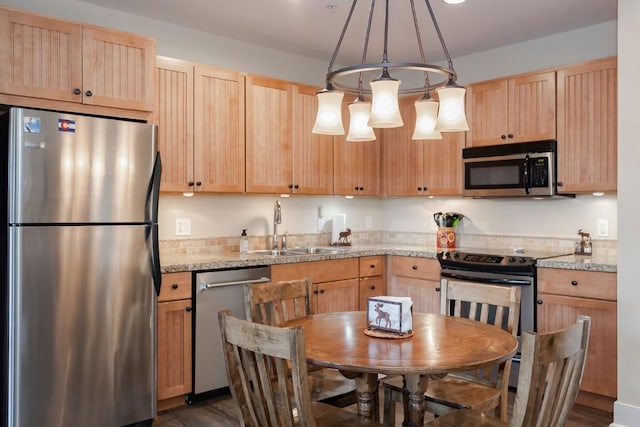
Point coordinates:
pixel 522 260
pixel 456 255
pixel 512 259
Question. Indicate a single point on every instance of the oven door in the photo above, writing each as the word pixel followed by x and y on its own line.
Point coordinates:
pixel 511 175
pixel 527 308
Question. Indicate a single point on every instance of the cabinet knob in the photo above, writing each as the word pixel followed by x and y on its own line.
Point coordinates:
pixel 560 184
pixel 190 183
pixel 316 292
pixel 574 283
pixel 296 186
pixel 361 188
pixel 77 91
pixel 539 302
pixel 419 188
pixel 510 135
pixel 290 186
pixel 174 286
pixel 188 309
pixel 372 266
pixel 198 183
pixel 372 287
pixel 414 267
pixel 437 289
pixel 88 93
pixel 503 136
pixel 322 291
pixel 356 188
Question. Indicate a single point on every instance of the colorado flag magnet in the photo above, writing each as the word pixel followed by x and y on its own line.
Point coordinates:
pixel 66 125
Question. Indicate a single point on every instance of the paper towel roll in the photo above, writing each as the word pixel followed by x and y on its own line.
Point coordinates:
pixel 338 225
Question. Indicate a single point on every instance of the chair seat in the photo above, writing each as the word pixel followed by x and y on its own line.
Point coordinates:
pixel 453 392
pixel 327 383
pixel 466 418
pixel 327 415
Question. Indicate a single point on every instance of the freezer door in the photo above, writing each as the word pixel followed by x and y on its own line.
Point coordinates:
pixel 82 326
pixel 66 168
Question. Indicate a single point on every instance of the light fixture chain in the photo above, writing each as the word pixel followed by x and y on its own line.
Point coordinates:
pixel 344 30
pixel 435 24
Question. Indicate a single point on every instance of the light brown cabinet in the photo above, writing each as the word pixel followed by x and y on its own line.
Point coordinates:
pixel 174 339
pixel 55 60
pixel 200 117
pixel 565 294
pixel 515 109
pixel 587 126
pixel 335 282
pixel 356 167
pixel 417 278
pixel 282 155
pixel 372 280
pixel 423 167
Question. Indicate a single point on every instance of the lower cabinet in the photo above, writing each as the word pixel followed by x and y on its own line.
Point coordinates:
pixel 174 339
pixel 372 282
pixel 417 278
pixel 335 282
pixel 565 294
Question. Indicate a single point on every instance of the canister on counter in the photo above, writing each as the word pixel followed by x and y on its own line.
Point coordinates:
pixel 446 238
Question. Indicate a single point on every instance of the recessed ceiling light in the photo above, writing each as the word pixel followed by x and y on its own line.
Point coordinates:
pixel 453 1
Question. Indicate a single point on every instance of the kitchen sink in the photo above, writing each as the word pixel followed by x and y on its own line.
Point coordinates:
pixel 310 250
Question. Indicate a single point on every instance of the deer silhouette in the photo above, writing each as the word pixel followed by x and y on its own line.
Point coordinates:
pixel 344 236
pixel 382 316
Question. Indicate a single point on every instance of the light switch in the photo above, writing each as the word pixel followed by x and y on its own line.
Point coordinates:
pixel 603 227
pixel 368 221
pixel 183 226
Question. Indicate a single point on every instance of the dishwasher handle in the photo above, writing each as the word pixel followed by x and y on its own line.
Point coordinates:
pixel 207 286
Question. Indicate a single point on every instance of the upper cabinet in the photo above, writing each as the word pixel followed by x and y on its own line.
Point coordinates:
pixel 587 126
pixel 515 109
pixel 54 60
pixel 283 156
pixel 200 117
pixel 422 167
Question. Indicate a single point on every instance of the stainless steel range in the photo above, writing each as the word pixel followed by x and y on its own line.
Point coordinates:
pixel 504 268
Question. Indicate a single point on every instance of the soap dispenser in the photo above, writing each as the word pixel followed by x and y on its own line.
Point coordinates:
pixel 244 242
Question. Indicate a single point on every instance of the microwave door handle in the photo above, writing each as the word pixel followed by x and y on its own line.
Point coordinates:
pixel 527 165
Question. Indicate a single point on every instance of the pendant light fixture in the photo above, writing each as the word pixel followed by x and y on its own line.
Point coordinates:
pixel 432 117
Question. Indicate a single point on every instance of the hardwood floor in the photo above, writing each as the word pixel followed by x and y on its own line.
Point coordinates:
pixel 221 412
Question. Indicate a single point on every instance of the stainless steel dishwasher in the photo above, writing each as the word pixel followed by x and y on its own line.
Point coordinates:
pixel 215 291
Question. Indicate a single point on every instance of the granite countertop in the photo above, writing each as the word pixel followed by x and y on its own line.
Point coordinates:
pixel 201 262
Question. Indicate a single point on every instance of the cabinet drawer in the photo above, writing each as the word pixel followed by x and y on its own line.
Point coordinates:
pixel 175 286
pixel 370 287
pixel 585 284
pixel 371 266
pixel 317 271
pixel 419 268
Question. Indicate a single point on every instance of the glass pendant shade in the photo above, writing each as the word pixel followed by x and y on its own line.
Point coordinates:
pixel 451 116
pixel 426 119
pixel 329 117
pixel 359 129
pixel 385 112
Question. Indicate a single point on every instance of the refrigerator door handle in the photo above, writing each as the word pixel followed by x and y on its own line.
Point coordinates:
pixel 154 199
pixel 153 195
pixel 155 259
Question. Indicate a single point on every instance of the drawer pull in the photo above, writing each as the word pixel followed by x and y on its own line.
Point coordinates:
pixel 372 287
pixel 174 286
pixel 574 283
pixel 188 309
pixel 322 291
pixel 437 289
pixel 415 267
pixel 539 302
pixel 372 266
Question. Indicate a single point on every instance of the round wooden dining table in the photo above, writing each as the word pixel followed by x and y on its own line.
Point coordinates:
pixel 439 345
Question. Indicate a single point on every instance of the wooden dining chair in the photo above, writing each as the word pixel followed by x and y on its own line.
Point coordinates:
pixel 267 374
pixel 484 389
pixel 274 303
pixel 550 376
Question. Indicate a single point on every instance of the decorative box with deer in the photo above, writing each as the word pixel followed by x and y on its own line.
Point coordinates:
pixel 391 315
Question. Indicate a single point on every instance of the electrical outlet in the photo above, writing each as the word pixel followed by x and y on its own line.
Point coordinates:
pixel 603 227
pixel 368 221
pixel 183 226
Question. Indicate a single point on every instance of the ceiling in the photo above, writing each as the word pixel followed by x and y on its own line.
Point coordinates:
pixel 311 27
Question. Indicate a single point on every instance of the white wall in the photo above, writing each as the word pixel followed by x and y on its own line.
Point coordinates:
pixel 627 408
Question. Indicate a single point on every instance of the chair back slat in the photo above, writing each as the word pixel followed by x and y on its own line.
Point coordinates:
pixel 266 368
pixel 550 375
pixel 274 303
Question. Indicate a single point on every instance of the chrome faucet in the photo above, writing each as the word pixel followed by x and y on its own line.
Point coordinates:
pixel 277 219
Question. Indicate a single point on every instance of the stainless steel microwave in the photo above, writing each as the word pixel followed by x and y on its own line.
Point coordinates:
pixel 525 169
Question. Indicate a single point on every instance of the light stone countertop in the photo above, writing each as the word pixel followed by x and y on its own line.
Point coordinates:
pixel 203 262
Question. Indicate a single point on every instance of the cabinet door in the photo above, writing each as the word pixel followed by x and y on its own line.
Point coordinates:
pixel 268 131
pixel 40 57
pixel 402 157
pixel 356 167
pixel 117 69
pixel 340 295
pixel 174 348
pixel 312 154
pixel 370 287
pixel 587 126
pixel 443 164
pixel 219 130
pixel 174 117
pixel 487 112
pixel 532 107
pixel 425 294
pixel 557 312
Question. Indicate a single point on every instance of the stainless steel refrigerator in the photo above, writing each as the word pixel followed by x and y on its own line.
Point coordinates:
pixel 80 269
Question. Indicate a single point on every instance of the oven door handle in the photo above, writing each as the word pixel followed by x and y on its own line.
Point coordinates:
pixel 491 280
pixel 527 174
